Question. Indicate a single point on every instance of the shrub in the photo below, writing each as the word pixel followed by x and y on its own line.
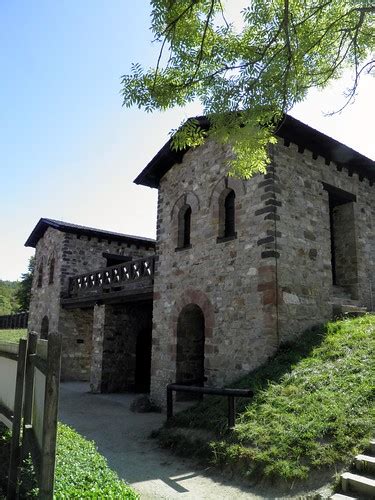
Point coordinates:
pixel 81 472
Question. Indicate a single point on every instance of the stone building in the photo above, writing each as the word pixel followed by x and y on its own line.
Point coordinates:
pixel 65 250
pixel 240 266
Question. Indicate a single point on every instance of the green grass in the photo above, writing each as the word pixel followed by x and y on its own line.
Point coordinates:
pixel 12 335
pixel 313 407
pixel 81 472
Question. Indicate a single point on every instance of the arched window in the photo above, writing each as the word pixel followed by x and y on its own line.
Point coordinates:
pixel 227 214
pixel 40 275
pixel 44 329
pixel 184 226
pixel 51 271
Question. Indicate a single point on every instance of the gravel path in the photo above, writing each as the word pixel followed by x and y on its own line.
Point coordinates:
pixel 122 437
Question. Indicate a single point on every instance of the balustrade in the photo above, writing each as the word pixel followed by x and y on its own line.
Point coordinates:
pixel 112 279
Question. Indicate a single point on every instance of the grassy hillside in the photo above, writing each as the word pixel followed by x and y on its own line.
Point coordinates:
pixel 12 335
pixel 313 407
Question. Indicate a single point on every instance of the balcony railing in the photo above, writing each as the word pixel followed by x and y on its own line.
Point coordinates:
pixel 132 275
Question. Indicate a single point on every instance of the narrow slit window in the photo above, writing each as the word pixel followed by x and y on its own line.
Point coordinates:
pixel 184 226
pixel 229 215
pixel 40 276
pixel 51 275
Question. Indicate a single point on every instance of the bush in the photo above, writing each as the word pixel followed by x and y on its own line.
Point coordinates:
pixel 81 472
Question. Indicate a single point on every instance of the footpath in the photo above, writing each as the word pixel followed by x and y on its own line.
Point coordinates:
pixel 123 438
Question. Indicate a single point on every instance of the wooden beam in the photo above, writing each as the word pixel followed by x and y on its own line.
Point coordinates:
pixel 51 402
pixel 14 461
pixel 119 297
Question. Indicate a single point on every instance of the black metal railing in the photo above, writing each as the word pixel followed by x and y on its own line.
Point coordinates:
pixel 112 278
pixel 231 394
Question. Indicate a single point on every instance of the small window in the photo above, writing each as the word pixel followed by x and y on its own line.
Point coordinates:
pixel 184 227
pixel 227 215
pixel 51 274
pixel 40 275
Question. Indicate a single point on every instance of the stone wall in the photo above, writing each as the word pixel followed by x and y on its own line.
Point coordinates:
pixel 45 299
pixel 273 280
pixel 231 280
pixel 304 241
pixel 73 255
pixel 82 254
pixel 261 286
pixel 76 326
pixel 118 330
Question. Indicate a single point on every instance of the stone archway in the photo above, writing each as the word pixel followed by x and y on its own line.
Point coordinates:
pixel 190 345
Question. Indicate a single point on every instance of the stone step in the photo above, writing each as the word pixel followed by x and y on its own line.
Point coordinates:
pixel 354 310
pixel 344 301
pixel 340 496
pixel 340 310
pixel 340 292
pixel 357 484
pixel 365 463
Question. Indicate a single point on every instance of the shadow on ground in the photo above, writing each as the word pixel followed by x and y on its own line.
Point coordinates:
pixel 123 438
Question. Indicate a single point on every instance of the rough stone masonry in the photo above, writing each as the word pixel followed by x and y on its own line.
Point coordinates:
pixel 241 266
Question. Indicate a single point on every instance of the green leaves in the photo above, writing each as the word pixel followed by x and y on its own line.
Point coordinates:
pixel 81 472
pixel 284 48
pixel 190 134
pixel 23 293
pixel 9 297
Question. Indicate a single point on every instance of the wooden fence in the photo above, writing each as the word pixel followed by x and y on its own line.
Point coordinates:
pixel 12 321
pixel 29 393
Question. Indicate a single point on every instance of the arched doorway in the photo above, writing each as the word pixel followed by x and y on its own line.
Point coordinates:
pixel 190 346
pixel 44 328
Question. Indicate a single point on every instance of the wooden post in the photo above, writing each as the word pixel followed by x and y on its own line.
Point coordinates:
pixel 29 379
pixel 169 403
pixel 29 394
pixel 231 412
pixel 14 461
pixel 47 471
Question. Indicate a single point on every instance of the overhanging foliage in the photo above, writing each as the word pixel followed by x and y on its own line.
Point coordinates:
pixel 261 69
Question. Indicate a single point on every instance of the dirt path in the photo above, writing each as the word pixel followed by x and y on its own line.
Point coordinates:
pixel 122 437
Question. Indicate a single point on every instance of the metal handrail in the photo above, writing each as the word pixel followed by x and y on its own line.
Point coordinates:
pixel 231 394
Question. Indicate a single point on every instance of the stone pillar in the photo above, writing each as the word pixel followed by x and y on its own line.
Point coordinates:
pixel 97 349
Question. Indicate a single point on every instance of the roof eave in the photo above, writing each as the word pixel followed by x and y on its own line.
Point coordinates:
pixel 290 129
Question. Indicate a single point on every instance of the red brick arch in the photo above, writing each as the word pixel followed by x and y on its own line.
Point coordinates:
pixel 189 198
pixel 226 183
pixel 193 296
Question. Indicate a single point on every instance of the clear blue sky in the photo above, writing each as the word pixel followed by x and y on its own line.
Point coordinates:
pixel 68 150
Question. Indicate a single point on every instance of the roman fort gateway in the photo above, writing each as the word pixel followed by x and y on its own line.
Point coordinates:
pixel 237 268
